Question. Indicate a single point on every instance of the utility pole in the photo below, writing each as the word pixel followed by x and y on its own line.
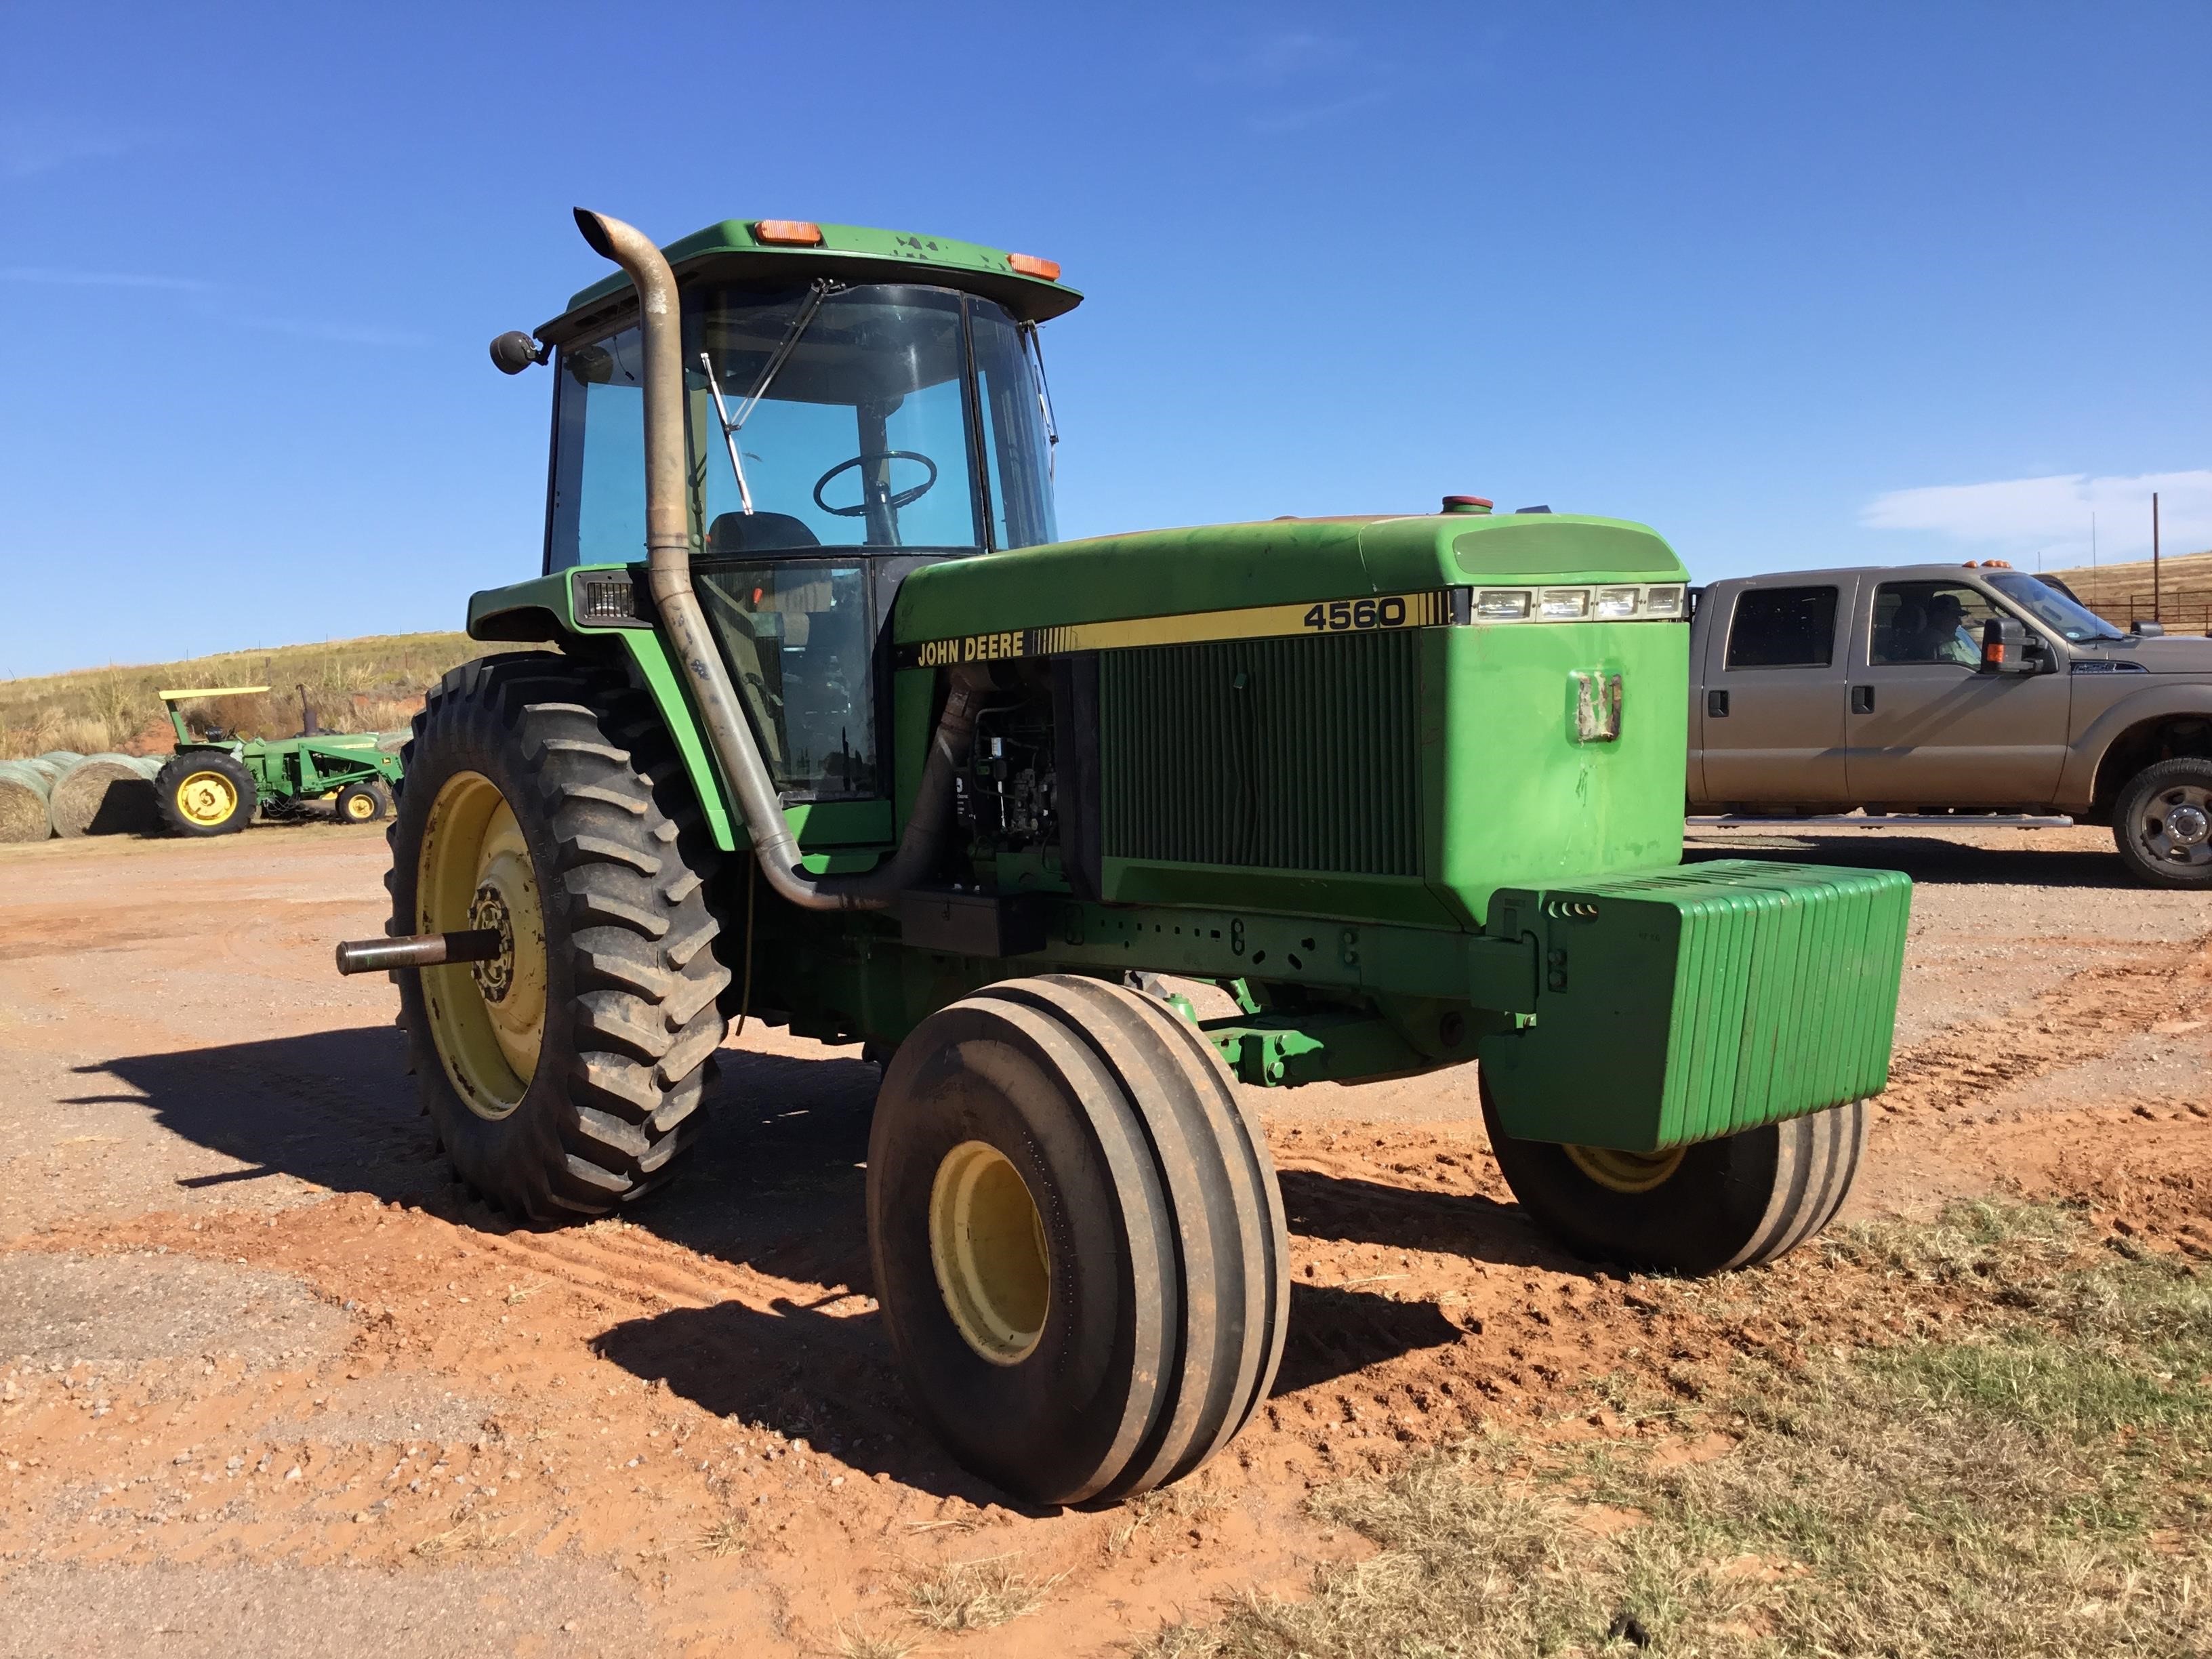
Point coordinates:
pixel 2155 615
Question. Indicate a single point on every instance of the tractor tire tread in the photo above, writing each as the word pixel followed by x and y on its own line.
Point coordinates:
pixel 639 1023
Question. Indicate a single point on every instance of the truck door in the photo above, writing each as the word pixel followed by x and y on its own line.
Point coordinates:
pixel 1771 711
pixel 1925 728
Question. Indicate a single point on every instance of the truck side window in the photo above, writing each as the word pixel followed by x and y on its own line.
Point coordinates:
pixel 1782 627
pixel 1930 623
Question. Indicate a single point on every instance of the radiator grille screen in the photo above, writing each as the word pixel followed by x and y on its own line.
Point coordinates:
pixel 1284 754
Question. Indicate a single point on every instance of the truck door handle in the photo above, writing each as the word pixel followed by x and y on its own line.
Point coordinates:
pixel 1716 705
pixel 1862 700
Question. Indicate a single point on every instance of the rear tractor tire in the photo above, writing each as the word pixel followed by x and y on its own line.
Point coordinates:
pixel 204 793
pixel 361 802
pixel 1077 1240
pixel 1735 1202
pixel 543 801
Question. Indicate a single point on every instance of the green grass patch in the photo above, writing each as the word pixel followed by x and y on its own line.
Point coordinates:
pixel 2031 1482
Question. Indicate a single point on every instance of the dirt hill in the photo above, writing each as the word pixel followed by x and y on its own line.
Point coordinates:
pixel 2122 593
pixel 367 685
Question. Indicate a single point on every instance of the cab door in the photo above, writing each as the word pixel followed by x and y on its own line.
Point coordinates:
pixel 1925 727
pixel 1770 718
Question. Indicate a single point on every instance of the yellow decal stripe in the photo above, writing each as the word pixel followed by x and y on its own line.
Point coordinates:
pixel 1387 612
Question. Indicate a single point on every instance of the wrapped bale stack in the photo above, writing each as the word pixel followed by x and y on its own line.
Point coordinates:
pixel 25 788
pixel 106 795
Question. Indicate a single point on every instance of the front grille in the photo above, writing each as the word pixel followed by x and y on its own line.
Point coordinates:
pixel 1280 753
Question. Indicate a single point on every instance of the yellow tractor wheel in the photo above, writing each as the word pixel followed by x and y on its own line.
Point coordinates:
pixel 205 792
pixel 563 1074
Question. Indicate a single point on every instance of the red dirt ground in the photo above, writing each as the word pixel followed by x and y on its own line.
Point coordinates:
pixel 678 1432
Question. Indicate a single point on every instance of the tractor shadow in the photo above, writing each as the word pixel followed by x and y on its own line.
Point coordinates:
pixel 775 1182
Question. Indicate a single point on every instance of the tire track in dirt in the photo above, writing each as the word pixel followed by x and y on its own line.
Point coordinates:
pixel 2085 1016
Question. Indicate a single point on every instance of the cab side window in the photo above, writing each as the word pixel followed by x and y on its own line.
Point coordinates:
pixel 1782 627
pixel 1926 622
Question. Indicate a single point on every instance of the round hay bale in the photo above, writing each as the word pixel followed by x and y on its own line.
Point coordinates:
pixel 104 795
pixel 44 769
pixel 23 793
pixel 63 758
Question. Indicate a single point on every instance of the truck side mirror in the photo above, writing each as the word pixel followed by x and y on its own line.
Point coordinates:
pixel 2005 647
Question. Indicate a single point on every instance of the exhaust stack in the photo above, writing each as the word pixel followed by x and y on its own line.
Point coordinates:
pixel 668 553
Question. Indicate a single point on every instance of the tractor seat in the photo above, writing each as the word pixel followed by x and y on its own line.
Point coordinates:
pixel 757 533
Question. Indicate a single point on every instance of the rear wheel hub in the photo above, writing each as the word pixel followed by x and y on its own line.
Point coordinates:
pixel 488 1019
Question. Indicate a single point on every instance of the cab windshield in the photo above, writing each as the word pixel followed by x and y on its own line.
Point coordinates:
pixel 817 416
pixel 2062 615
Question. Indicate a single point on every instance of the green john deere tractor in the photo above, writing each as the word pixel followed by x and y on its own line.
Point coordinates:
pixel 839 734
pixel 214 784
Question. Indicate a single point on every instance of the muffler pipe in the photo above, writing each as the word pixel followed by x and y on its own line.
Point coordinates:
pixel 699 661
pixel 378 956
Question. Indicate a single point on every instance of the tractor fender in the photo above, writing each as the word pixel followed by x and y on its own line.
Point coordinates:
pixel 2082 782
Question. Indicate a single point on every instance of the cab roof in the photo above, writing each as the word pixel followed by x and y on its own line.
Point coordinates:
pixel 734 250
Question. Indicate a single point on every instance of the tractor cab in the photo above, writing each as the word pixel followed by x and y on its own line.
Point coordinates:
pixel 856 403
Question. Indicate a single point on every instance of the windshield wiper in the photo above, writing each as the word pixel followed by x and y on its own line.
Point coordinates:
pixel 821 290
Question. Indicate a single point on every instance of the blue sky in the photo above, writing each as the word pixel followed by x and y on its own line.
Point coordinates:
pixel 1794 283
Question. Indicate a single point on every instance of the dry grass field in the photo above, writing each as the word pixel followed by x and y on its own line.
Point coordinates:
pixel 2121 592
pixel 370 685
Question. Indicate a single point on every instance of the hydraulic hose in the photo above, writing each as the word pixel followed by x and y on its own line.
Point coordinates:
pixel 668 552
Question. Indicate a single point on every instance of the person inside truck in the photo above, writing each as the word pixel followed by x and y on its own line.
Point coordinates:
pixel 1934 632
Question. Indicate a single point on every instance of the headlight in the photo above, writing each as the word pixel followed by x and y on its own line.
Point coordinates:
pixel 1563 603
pixel 1662 602
pixel 1614 602
pixel 1502 605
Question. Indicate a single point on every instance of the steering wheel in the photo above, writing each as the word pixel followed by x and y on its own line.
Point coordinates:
pixel 901 498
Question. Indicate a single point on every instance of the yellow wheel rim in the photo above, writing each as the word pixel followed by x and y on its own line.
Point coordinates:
pixel 986 1244
pixel 487 1018
pixel 207 798
pixel 1626 1172
pixel 359 808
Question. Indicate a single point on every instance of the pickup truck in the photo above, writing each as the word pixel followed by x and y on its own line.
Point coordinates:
pixel 1936 688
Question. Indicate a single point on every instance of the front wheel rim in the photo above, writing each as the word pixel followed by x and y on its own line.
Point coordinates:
pixel 986 1246
pixel 207 798
pixel 1626 1172
pixel 359 808
pixel 2174 826
pixel 487 1018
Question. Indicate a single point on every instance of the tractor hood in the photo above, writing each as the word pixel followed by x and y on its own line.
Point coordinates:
pixel 1166 573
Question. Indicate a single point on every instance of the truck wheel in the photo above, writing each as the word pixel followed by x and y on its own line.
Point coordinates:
pixel 1078 1241
pixel 1735 1202
pixel 2162 823
pixel 564 1075
pixel 204 793
pixel 359 803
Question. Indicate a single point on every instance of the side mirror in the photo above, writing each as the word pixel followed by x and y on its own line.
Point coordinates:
pixel 2147 630
pixel 514 351
pixel 2006 645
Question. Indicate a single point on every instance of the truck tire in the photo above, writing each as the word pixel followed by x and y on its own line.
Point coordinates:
pixel 1735 1202
pixel 544 800
pixel 2162 823
pixel 204 793
pixel 361 802
pixel 1077 1240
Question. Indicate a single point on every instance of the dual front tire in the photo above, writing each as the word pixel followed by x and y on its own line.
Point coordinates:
pixel 1078 1239
pixel 1738 1201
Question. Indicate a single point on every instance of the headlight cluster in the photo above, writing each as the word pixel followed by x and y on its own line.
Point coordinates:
pixel 1663 602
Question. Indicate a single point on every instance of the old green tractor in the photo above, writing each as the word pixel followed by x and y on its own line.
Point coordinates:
pixel 215 783
pixel 840 734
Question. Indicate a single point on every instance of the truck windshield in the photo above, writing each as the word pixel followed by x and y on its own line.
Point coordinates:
pixel 2069 621
pixel 856 415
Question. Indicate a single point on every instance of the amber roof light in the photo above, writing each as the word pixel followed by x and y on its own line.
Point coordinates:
pixel 1027 264
pixel 790 233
